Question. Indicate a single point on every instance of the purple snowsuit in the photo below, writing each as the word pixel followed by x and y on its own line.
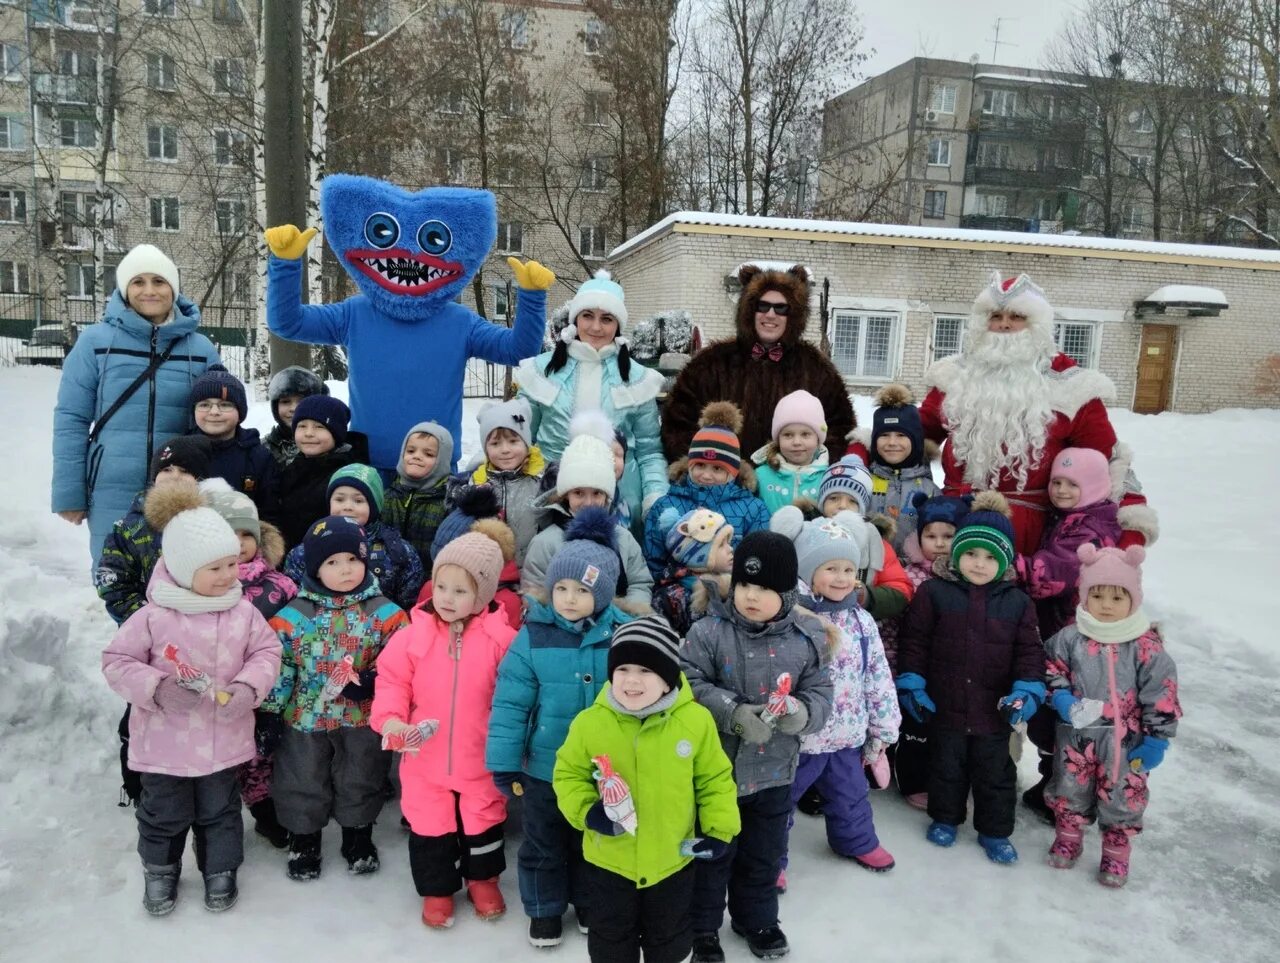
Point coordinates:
pixel 1050 575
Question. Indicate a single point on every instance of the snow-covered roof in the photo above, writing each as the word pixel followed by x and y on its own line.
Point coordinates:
pixel 1005 239
pixel 1186 294
pixel 763 265
pixel 1028 79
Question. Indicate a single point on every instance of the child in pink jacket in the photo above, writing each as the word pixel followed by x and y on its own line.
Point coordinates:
pixel 193 663
pixel 431 701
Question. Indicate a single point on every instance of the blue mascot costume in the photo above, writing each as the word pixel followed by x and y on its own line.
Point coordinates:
pixel 407 339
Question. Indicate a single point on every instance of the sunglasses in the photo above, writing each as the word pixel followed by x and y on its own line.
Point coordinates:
pixel 780 309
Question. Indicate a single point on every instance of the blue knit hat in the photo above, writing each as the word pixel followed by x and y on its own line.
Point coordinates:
pixel 330 412
pixel 217 383
pixel 848 475
pixel 897 412
pixel 940 508
pixel 330 536
pixel 363 479
pixel 590 556
pixel 986 526
pixel 470 504
pixel 695 536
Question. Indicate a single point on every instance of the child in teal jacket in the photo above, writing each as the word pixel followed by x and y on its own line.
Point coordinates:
pixel 791 466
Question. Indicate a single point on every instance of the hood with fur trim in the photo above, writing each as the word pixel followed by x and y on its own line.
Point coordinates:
pixel 792 284
pixel 271 545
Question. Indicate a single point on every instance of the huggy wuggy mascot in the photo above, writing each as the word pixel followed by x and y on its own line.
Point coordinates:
pixel 406 338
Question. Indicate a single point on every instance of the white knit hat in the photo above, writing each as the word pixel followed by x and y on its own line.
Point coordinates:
pixel 603 293
pixel 587 461
pixel 193 539
pixel 145 259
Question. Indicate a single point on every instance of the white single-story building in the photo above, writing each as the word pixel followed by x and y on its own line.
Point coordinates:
pixel 1178 327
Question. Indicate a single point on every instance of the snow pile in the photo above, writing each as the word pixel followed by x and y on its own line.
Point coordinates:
pixel 1205 872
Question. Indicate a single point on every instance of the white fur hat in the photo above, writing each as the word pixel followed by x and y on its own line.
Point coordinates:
pixel 145 259
pixel 1018 294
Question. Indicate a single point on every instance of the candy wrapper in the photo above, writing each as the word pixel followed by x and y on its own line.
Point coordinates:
pixel 781 703
pixel 616 795
pixel 340 677
pixel 1086 712
pixel 189 677
pixel 411 739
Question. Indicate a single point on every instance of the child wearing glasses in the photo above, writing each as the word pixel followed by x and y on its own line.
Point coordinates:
pixel 238 456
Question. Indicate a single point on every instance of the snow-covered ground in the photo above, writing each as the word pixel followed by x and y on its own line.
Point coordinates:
pixel 1206 873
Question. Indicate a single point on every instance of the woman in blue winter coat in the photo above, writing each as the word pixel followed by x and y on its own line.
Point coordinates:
pixel 128 379
pixel 591 368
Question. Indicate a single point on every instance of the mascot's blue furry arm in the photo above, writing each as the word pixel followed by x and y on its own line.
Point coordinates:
pixel 407 339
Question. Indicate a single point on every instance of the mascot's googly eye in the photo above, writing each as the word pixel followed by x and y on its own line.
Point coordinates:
pixel 381 230
pixel 434 237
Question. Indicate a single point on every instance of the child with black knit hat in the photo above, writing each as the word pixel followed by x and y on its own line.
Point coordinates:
pixel 220 406
pixel 329 762
pixel 556 667
pixel 415 501
pixel 285 391
pixel 898 457
pixel 668 769
pixel 760 665
pixel 320 432
pixel 971 661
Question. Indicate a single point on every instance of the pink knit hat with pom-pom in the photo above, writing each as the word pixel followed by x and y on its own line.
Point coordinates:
pixel 1112 566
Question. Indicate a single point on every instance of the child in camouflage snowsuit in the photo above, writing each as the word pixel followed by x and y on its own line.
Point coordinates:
pixel 415 501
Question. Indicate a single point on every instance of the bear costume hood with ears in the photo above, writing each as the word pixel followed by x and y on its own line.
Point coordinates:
pixel 792 284
pixel 407 251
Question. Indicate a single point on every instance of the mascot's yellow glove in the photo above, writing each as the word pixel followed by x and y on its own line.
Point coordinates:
pixel 287 242
pixel 531 276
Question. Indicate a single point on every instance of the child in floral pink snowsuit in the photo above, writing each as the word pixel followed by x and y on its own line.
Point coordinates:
pixel 1115 689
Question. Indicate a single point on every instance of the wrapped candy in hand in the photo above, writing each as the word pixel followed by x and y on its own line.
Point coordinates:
pixel 408 738
pixel 781 702
pixel 344 673
pixel 189 677
pixel 616 795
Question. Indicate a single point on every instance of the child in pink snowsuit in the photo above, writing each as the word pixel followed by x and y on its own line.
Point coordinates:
pixel 193 663
pixel 431 701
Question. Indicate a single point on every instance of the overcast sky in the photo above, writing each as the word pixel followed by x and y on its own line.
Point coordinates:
pixel 954 29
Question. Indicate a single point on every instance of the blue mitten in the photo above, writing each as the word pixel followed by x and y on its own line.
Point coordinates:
pixel 1062 700
pixel 1148 754
pixel 1021 703
pixel 598 820
pixel 914 700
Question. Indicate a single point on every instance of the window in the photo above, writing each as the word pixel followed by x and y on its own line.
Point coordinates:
pixel 228 75
pixel 594 174
pixel 1057 158
pixel 227 11
pixel 502 171
pixel 1050 107
pixel 76 63
pixel 164 214
pixel 377 17
pixel 11 61
pixel 1139 165
pixel 591 241
pixel 449 102
pixel 77 208
pixel 13 132
pixel 595 109
pixel 510 100
pixel 935 203
pixel 160 8
pixel 1133 217
pixel 515 28
pixel 593 37
pixel 451 21
pixel 943 99
pixel 229 148
pixel 993 205
pixel 501 307
pixel 15 278
pixel 939 152
pixel 13 206
pixel 992 154
pixel 79 280
pixel 1077 341
pixel 1143 122
pixel 948 335
pixel 862 344
pixel 235 287
pixel 1047 208
pixel 77 132
pixel 511 236
pixel 230 216
pixel 449 162
pixel 999 103
pixel 161 72
pixel 1097 164
pixel 162 142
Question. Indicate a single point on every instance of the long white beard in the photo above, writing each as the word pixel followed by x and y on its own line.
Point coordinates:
pixel 998 410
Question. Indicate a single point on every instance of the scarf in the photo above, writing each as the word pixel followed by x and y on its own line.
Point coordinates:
pixel 170 596
pixel 823 606
pixel 666 702
pixel 1132 626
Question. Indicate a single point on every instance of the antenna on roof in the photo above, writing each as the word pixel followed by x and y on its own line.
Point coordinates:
pixel 996 42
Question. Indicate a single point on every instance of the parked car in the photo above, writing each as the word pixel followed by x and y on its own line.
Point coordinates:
pixel 48 345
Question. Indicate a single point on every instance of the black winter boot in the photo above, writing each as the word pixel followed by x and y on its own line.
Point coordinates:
pixel 220 891
pixel 769 943
pixel 1033 799
pixel 811 802
pixel 304 856
pixel 267 825
pixel 160 888
pixel 358 848
pixel 706 948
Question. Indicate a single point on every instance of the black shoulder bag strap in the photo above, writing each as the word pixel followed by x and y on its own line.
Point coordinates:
pixel 129 392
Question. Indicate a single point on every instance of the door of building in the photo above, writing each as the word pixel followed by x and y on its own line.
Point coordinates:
pixel 1155 368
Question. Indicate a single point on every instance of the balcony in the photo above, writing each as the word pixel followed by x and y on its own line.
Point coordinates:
pixel 996 222
pixel 70 15
pixel 1066 129
pixel 68 236
pixel 64 88
pixel 1049 179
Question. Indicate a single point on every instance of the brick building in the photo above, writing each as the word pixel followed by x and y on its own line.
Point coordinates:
pixel 899 298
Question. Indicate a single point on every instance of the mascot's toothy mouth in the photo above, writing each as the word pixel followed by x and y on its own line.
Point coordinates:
pixel 405 272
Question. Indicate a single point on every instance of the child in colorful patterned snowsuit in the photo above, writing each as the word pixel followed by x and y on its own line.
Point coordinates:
pixel 899 461
pixel 329 762
pixel 791 466
pixel 415 502
pixel 664 748
pixel 1115 689
pixel 864 711
pixel 699 546
pixel 193 662
pixel 435 687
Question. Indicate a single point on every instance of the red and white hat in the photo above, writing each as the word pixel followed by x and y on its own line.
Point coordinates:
pixel 1018 294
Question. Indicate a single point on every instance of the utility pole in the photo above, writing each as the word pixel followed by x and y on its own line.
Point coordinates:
pixel 283 143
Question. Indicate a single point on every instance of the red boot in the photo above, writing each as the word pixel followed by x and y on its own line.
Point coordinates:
pixel 437 911
pixel 486 898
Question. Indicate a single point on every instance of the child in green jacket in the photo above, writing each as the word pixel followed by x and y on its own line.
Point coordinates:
pixel 642 835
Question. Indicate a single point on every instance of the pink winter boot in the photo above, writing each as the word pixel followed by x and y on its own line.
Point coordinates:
pixel 918 800
pixel 1068 843
pixel 878 860
pixel 1114 869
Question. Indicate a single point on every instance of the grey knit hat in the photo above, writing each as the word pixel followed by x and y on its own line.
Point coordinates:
pixel 444 455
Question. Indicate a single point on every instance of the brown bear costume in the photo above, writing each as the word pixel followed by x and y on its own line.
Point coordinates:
pixel 727 371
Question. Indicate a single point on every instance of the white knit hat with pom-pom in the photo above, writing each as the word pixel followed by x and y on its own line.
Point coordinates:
pixel 587 461
pixel 193 534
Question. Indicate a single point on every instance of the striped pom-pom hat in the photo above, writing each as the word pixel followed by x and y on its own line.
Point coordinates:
pixel 649 642
pixel 716 440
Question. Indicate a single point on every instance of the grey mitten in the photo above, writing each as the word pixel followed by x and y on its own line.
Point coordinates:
pixel 241 698
pixel 170 696
pixel 794 722
pixel 748 725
